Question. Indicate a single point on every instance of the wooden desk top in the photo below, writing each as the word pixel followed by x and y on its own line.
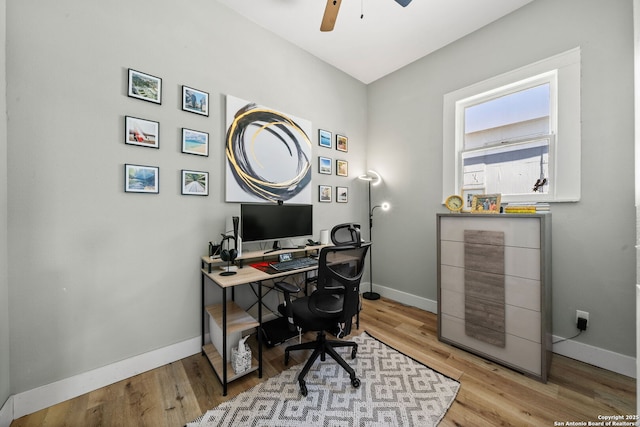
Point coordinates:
pixel 248 274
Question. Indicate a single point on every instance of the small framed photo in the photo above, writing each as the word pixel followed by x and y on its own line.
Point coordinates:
pixel 324 165
pixel 195 183
pixel 195 142
pixel 141 179
pixel 145 86
pixel 324 138
pixel 342 194
pixel 324 192
pixel 467 197
pixel 195 101
pixel 486 204
pixel 145 133
pixel 342 143
pixel 342 168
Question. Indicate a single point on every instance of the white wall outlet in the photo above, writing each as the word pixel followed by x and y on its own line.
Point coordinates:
pixel 583 314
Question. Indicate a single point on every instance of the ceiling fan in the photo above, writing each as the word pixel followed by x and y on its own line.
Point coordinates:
pixel 331 13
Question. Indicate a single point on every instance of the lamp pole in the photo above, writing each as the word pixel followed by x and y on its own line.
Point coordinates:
pixel 371 295
pixel 372 177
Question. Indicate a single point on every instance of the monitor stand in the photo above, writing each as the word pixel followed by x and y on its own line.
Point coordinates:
pixel 276 247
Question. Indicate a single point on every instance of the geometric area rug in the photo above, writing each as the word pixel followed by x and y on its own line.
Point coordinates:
pixel 395 390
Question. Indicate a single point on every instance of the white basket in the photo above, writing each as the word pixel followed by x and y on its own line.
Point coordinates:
pixel 240 362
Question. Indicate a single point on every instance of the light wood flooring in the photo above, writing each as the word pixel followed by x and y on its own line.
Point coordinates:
pixel 490 394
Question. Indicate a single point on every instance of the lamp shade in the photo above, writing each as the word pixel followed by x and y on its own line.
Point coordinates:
pixel 371 176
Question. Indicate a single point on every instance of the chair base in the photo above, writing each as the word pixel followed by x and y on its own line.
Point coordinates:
pixel 321 347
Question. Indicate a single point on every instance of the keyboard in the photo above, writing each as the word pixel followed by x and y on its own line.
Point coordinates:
pixel 294 264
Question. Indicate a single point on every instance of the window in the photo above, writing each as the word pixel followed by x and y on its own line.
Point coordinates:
pixel 517 134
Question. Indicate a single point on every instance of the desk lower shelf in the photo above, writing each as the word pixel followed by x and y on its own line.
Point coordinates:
pixel 238 320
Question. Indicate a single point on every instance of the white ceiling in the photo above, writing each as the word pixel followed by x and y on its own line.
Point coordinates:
pixel 386 39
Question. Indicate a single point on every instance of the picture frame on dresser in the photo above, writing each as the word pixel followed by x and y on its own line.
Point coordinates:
pixel 486 203
pixel 467 197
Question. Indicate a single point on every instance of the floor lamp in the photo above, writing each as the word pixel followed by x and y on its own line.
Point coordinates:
pixel 373 178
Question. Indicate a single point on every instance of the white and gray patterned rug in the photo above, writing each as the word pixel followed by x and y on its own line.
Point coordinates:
pixel 395 390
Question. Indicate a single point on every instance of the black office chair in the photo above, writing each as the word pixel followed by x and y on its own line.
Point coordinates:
pixel 330 307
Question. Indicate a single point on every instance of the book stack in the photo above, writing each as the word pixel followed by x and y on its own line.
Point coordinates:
pixel 526 207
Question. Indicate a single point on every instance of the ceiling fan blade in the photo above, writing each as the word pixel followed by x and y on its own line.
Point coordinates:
pixel 330 15
pixel 403 3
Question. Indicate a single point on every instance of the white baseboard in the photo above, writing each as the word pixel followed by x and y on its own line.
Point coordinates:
pixel 615 362
pixel 39 398
pixel 404 298
pixel 6 413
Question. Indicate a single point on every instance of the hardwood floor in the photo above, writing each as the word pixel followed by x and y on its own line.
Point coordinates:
pixel 490 394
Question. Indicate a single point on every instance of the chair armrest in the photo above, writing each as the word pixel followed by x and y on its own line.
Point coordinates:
pixel 287 288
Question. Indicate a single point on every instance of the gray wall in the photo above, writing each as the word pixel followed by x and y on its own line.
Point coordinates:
pixel 98 275
pixel 593 240
pixel 4 284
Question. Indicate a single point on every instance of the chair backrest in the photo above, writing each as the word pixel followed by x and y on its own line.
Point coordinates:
pixel 346 234
pixel 340 270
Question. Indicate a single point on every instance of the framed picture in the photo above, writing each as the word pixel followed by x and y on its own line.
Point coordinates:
pixel 324 192
pixel 486 204
pixel 467 197
pixel 145 133
pixel 324 165
pixel 195 183
pixel 342 168
pixel 195 101
pixel 342 143
pixel 141 179
pixel 145 86
pixel 195 142
pixel 342 194
pixel 324 138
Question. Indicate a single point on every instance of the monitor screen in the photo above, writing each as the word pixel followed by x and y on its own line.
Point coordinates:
pixel 263 221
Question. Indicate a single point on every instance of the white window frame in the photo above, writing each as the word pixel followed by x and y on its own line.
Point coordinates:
pixel 562 70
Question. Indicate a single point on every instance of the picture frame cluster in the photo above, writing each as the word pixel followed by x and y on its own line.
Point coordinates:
pixel 326 166
pixel 145 132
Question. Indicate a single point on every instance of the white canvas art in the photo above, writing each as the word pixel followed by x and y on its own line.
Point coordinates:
pixel 268 154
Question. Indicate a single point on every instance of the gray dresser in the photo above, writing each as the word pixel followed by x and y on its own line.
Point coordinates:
pixel 494 287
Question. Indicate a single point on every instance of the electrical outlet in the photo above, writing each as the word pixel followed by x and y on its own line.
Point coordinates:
pixel 584 315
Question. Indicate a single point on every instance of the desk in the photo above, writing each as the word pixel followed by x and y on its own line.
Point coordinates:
pixel 229 316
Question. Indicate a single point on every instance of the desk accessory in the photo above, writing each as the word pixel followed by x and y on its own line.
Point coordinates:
pixel 241 357
pixel 228 255
pixel 454 203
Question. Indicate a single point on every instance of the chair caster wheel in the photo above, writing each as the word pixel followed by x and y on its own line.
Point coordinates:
pixel 303 389
pixel 353 352
pixel 355 382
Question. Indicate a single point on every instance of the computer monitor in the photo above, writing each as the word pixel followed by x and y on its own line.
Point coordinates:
pixel 260 222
